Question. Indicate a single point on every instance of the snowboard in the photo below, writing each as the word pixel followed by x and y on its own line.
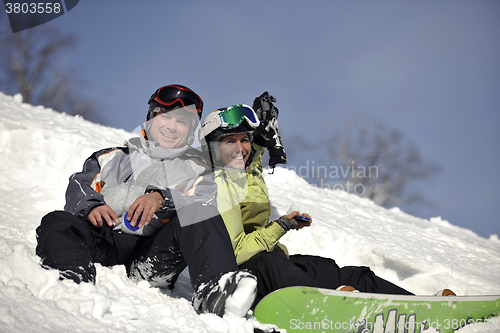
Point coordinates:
pixel 306 309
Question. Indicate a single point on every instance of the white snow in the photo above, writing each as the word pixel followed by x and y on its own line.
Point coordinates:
pixel 41 148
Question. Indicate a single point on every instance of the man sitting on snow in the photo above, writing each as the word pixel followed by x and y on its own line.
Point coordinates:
pixel 150 206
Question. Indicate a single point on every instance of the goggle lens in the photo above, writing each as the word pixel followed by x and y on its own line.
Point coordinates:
pixel 235 115
pixel 170 95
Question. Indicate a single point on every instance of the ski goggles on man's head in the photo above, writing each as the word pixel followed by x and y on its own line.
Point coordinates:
pixel 177 95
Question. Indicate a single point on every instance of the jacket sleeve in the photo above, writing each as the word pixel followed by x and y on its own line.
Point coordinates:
pixel 83 192
pixel 245 245
pixel 264 239
pixel 256 208
pixel 203 191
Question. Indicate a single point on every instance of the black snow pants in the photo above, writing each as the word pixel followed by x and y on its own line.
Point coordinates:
pixel 72 245
pixel 274 271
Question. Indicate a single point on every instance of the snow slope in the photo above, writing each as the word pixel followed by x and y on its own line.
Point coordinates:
pixel 41 148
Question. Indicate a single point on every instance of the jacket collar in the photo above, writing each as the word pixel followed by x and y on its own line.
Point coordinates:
pixel 153 150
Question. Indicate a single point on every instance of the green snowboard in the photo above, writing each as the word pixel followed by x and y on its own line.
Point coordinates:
pixel 305 309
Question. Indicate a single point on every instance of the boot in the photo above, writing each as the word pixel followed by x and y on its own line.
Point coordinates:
pixel 347 288
pixel 445 292
pixel 232 294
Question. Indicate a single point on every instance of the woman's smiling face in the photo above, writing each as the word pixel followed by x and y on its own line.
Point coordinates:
pixel 235 150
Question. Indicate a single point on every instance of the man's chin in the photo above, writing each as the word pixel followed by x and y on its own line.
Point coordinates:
pixel 169 145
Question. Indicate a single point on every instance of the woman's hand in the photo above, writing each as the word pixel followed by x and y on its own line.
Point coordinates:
pixel 299 224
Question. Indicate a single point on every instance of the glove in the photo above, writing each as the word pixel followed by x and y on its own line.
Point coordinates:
pixel 285 224
pixel 267 134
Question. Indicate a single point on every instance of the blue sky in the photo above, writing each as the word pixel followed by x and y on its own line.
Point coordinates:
pixel 429 69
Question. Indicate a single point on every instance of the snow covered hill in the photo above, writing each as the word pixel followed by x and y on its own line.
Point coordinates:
pixel 41 148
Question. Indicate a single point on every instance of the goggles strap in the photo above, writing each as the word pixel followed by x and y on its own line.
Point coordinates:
pixel 170 95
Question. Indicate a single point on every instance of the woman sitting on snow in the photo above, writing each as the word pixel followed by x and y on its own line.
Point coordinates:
pixel 227 135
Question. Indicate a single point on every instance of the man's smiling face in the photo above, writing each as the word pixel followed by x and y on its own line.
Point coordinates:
pixel 170 129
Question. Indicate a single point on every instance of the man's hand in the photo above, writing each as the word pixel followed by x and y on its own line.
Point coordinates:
pixel 299 224
pixel 105 212
pixel 145 205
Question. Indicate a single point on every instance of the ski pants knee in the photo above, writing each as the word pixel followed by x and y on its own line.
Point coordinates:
pixel 204 247
pixel 274 271
pixel 329 275
pixel 72 245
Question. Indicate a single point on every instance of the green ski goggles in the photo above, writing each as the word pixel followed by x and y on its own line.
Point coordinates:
pixel 228 118
pixel 234 115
